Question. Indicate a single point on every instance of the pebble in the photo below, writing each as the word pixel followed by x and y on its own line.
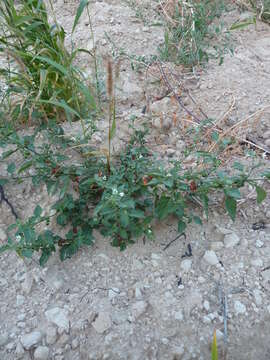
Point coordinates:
pixel 19 351
pixel 259 244
pixel 75 343
pixel 51 335
pixel 210 257
pixel 231 240
pixel 186 265
pixel 3 282
pixel 102 323
pixel 3 235
pixel 4 338
pixel 179 315
pixel 28 283
pixel 30 340
pixel 206 305
pixel 58 317
pixel 41 353
pixel 239 307
pixel 138 309
pixel 257 262
pixel 257 297
pixel 20 300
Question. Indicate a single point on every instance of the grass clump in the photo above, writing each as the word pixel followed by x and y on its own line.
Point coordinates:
pixel 192 32
pixel 260 7
pixel 40 76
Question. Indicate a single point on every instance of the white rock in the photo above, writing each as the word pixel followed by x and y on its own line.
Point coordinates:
pixel 206 320
pixel 113 292
pixel 138 309
pixel 219 335
pixel 266 275
pixel 102 323
pixel 28 283
pixel 4 338
pixel 258 297
pixel 41 353
pixel 206 305
pixel 239 307
pixel 179 315
pixel 138 293
pixel 20 300
pixel 231 240
pixel 3 282
pixel 3 235
pixel 257 262
pixel 58 317
pixel 51 335
pixel 19 351
pixel 186 265
pixel 75 343
pixel 30 340
pixel 259 244
pixel 210 257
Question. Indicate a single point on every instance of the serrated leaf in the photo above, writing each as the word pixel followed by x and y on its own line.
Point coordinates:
pixel 231 206
pixel 261 194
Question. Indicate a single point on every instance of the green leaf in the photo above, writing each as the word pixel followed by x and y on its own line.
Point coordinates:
pixel 38 211
pixel 181 226
pixel 197 220
pixel 243 24
pixel 3 182
pixel 83 4
pixel 163 207
pixel 231 206
pixel 27 253
pixel 261 194
pixel 53 63
pixel 234 193
pixel 62 105
pixel 44 257
pixel 25 166
pixel 124 219
pixel 11 168
pixel 135 213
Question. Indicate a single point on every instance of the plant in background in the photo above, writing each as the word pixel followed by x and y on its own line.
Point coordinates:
pixel 40 76
pixel 260 7
pixel 214 347
pixel 190 28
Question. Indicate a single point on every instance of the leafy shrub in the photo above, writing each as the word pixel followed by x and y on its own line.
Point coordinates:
pixel 120 202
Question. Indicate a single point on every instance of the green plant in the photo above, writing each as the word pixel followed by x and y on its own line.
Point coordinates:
pixel 260 7
pixel 120 202
pixel 192 34
pixel 40 76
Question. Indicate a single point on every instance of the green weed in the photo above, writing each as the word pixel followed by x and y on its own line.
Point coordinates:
pixel 40 76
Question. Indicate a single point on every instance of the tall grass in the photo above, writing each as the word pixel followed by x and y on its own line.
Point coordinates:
pixel 41 78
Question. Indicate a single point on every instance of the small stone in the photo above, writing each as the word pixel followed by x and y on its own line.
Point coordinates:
pixel 239 307
pixel 137 265
pixel 41 353
pixel 59 317
pixel 20 300
pixel 217 245
pixel 19 351
pixel 210 257
pixel 138 309
pixel 170 152
pixel 206 305
pixel 259 244
pixel 186 265
pixel 219 335
pixel 51 335
pixel 3 235
pixel 257 262
pixel 30 340
pixel 3 282
pixel 113 292
pixel 102 323
pixel 28 283
pixel 179 315
pixel 74 344
pixel 4 338
pixel 231 240
pixel 138 293
pixel 258 297
pixel 266 275
pixel 178 352
pixel 206 320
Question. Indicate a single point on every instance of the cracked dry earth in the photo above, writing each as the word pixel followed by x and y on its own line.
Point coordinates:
pixel 148 303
